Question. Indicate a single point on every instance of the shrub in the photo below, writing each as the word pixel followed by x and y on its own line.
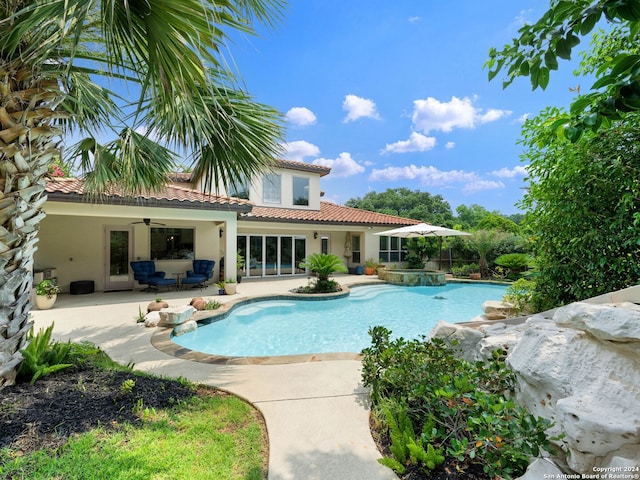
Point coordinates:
pixel 515 262
pixel 323 265
pixel 44 356
pixel 428 400
pixel 520 294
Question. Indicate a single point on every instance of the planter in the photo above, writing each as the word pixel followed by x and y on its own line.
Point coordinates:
pixel 475 276
pixel 44 302
pixel 369 270
pixel 221 291
pixel 230 288
pixel 359 270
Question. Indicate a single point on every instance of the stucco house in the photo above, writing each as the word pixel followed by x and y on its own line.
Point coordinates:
pixel 273 221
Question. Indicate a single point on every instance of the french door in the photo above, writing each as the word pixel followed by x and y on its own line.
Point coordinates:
pixel 272 255
pixel 118 253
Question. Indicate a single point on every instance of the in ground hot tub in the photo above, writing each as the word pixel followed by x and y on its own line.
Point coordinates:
pixel 413 277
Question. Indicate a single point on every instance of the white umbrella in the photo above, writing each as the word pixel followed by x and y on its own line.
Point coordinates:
pixel 423 230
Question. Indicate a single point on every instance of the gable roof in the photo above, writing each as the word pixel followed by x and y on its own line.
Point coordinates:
pixel 171 196
pixel 329 214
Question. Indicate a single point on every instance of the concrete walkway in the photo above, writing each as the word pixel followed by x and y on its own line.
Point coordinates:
pixel 316 413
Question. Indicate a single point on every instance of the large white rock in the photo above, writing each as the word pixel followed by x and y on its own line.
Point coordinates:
pixel 152 319
pixel 581 370
pixel 618 323
pixel 498 310
pixel 172 316
pixel 185 327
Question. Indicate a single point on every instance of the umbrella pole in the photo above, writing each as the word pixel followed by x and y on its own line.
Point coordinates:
pixel 440 254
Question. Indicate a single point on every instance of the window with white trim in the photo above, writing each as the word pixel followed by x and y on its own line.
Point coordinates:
pixel 271 188
pixel 300 190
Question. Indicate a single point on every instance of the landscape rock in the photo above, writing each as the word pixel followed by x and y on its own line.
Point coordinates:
pixel 170 317
pixel 186 327
pixel 497 310
pixel 460 339
pixel 152 319
pixel 581 370
pixel 541 468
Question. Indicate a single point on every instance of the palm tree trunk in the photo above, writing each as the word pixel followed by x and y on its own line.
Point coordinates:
pixel 27 147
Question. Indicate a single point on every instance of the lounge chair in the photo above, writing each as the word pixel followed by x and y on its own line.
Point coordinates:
pixel 145 273
pixel 201 273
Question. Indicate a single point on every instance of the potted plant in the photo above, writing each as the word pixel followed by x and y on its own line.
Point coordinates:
pixel 239 266
pixel 370 266
pixel 474 271
pixel 230 286
pixel 46 294
pixel 221 287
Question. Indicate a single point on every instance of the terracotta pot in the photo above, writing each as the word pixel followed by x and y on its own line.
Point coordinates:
pixel 475 276
pixel 369 270
pixel 45 303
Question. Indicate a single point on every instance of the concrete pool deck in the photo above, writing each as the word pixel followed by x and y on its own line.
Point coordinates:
pixel 317 412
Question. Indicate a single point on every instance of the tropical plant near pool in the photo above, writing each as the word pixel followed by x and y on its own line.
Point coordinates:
pixel 323 265
pixel 166 53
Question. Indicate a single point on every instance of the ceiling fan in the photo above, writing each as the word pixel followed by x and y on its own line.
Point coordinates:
pixel 147 222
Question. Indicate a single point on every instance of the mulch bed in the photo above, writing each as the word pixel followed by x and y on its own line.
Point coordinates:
pixel 45 414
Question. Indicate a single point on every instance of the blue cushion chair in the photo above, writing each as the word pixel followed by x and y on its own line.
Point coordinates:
pixel 201 273
pixel 145 273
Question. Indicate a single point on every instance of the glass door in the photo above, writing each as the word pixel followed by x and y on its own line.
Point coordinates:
pixel 119 252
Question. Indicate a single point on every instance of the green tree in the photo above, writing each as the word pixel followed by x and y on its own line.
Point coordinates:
pixel 408 204
pixel 166 56
pixel 495 221
pixel 469 216
pixel 583 210
pixel 539 46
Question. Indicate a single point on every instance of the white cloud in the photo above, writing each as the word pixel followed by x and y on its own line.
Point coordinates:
pixel 432 177
pixel 427 176
pixel 300 149
pixel 414 19
pixel 449 145
pixel 300 116
pixel 416 143
pixel 480 185
pixel 522 18
pixel 518 171
pixel 523 118
pixel 357 107
pixel 492 115
pixel 343 166
pixel 431 114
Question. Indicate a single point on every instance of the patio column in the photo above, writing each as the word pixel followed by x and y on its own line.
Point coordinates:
pixel 231 249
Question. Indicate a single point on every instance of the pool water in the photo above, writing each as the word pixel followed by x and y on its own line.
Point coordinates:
pixel 292 327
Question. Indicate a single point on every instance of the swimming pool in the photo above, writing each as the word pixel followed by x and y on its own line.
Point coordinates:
pixel 293 327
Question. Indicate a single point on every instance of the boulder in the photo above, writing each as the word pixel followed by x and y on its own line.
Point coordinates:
pixel 186 327
pixel 152 319
pixel 462 340
pixel 497 310
pixel 581 370
pixel 170 317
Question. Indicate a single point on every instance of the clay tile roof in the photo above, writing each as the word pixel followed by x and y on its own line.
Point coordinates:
pixel 329 213
pixel 303 166
pixel 172 196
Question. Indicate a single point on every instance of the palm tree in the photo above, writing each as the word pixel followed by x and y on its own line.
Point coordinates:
pixel 87 67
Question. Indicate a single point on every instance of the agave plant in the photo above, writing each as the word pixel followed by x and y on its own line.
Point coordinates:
pixel 96 68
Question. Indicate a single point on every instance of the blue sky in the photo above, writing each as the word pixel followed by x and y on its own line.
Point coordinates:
pixel 394 94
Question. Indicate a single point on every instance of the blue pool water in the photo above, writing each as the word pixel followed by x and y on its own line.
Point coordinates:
pixel 291 327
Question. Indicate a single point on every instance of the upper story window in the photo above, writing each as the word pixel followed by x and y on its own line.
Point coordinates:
pixel 240 188
pixel 300 190
pixel 271 188
pixel 172 243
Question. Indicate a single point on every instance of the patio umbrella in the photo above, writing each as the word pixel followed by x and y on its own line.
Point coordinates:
pixel 423 230
pixel 347 246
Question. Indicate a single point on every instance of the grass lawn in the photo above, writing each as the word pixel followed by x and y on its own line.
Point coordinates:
pixel 99 420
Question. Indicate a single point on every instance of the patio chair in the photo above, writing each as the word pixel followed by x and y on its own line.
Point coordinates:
pixel 201 273
pixel 144 271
